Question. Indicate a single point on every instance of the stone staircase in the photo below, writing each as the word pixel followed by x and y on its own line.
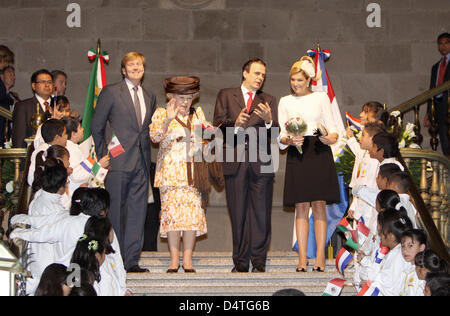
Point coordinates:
pixel 213 277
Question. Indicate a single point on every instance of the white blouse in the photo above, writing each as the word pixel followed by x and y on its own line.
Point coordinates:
pixel 313 108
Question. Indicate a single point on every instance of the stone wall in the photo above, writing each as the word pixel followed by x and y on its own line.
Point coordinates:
pixel 390 63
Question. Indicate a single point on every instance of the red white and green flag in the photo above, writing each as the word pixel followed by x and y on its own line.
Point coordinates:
pixel 96 83
pixel 334 287
pixel 93 167
pixel 115 147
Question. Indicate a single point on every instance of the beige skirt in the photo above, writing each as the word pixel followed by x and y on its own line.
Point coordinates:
pixel 181 210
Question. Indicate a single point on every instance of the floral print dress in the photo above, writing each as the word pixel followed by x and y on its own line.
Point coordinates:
pixel 181 206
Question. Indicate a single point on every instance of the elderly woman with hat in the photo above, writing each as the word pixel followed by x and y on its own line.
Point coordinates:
pixel 172 127
pixel 311 179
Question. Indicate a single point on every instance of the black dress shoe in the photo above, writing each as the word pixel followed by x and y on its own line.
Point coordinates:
pixel 137 269
pixel 259 269
pixel 189 270
pixel 173 270
pixel 239 270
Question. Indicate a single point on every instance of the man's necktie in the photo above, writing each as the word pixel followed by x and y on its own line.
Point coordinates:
pixel 47 106
pixel 442 71
pixel 137 106
pixel 249 101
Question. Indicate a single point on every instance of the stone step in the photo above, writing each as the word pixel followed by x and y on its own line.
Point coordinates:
pixel 268 290
pixel 213 277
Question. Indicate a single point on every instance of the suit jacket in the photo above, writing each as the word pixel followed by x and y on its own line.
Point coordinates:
pixel 23 111
pixel 434 72
pixel 229 105
pixel 115 106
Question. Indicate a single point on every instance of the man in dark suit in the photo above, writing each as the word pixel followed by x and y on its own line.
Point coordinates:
pixel 128 108
pixel 7 97
pixel 42 85
pixel 440 73
pixel 246 116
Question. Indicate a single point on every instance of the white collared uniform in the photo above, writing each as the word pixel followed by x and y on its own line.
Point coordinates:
pixel 67 230
pixel 79 174
pixel 364 172
pixel 412 285
pixel 44 205
pixel 370 196
pixel 390 279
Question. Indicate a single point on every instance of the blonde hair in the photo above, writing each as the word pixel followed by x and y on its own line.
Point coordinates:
pixel 306 66
pixel 132 56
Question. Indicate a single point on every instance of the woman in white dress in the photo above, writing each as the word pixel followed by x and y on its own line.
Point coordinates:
pixel 311 179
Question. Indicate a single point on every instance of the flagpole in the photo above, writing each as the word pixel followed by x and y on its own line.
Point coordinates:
pixel 98 47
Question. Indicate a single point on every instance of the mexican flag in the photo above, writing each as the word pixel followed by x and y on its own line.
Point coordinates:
pixel 93 167
pixel 96 83
pixel 334 287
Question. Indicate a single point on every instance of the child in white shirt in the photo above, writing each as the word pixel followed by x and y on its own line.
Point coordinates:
pixel 413 242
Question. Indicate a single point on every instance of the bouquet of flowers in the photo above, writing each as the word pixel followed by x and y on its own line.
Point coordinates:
pixel 296 127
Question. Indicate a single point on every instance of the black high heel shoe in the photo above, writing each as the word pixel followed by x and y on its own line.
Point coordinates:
pixel 318 269
pixel 301 270
pixel 173 270
pixel 189 270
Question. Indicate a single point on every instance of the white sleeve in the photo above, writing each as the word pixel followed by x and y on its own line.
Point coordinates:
pixel 367 194
pixel 327 115
pixel 354 145
pixel 390 279
pixel 50 233
pixel 282 119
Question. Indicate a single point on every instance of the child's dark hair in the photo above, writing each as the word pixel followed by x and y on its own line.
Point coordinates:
pixel 417 235
pixel 85 255
pixel 431 261
pixel 103 198
pixel 438 283
pixel 395 222
pixel 387 142
pixel 51 128
pixel 85 289
pixel 50 176
pixel 388 199
pixel 62 103
pixel 50 157
pixel 379 109
pixel 374 128
pixel 402 180
pixel 99 228
pixel 72 124
pixel 52 280
pixel 86 201
pixel 387 169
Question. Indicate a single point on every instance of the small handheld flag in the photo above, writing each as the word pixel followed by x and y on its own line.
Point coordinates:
pixel 92 166
pixel 369 290
pixel 352 121
pixel 115 147
pixel 342 260
pixel 334 287
pixel 381 252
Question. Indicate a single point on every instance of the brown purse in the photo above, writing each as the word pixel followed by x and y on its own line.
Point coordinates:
pixel 204 174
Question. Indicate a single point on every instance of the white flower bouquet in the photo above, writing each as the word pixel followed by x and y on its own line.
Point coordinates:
pixel 296 127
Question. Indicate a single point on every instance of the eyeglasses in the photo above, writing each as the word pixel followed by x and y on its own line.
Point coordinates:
pixel 45 82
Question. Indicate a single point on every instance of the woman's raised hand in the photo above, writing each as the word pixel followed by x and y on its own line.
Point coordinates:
pixel 171 109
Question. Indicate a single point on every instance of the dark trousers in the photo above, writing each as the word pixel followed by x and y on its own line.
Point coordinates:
pixel 129 194
pixel 442 122
pixel 152 222
pixel 249 198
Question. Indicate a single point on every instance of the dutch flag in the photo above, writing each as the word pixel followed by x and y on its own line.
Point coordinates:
pixel 352 121
pixel 369 290
pixel 342 260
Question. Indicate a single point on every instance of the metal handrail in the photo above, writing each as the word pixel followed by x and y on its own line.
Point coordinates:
pixel 5 113
pixel 421 98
